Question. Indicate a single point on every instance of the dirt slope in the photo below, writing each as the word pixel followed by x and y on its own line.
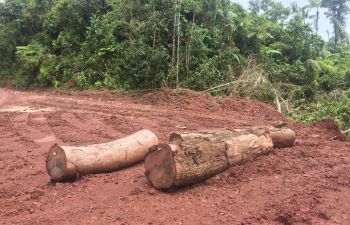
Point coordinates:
pixel 306 184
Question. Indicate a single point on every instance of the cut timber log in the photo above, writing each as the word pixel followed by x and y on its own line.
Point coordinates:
pixel 282 137
pixel 193 157
pixel 68 161
pixel 172 165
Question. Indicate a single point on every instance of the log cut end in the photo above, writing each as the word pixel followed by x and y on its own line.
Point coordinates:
pixel 57 164
pixel 160 167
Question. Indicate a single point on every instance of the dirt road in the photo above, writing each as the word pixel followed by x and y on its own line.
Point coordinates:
pixel 306 184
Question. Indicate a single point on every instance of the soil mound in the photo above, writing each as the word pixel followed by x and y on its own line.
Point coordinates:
pixel 187 99
pixel 251 107
pixel 184 99
pixel 330 128
pixel 181 98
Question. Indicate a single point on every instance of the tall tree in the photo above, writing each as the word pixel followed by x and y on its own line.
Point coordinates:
pixel 254 6
pixel 173 60
pixel 337 11
pixel 316 4
pixel 178 45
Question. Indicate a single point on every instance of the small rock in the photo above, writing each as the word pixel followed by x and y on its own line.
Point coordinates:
pixel 152 192
pixel 136 191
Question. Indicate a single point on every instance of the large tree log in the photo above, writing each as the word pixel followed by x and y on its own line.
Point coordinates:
pixel 282 137
pixel 68 161
pixel 193 157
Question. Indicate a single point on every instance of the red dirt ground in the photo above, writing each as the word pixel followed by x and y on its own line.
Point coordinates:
pixel 306 184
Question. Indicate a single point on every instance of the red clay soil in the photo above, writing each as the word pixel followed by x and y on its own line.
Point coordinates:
pixel 306 184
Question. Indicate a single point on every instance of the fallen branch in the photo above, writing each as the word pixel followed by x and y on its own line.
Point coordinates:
pixel 68 161
pixel 279 108
pixel 226 85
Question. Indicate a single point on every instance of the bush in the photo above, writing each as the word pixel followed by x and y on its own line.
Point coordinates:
pixel 82 81
pixel 48 71
pixel 111 81
pixel 330 82
pixel 335 105
pixel 28 63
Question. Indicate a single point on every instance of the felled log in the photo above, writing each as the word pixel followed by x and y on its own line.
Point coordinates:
pixel 282 137
pixel 69 161
pixel 173 165
pixel 193 157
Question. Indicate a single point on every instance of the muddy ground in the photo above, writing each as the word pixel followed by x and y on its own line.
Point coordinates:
pixel 306 184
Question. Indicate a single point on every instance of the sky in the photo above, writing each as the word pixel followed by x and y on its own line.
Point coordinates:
pixel 324 22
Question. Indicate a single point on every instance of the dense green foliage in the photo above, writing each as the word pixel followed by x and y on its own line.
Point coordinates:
pixel 270 52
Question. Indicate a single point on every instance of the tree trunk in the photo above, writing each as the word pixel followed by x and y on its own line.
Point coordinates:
pixel 317 19
pixel 178 45
pixel 282 137
pixel 176 165
pixel 193 157
pixel 68 161
pixel 189 45
pixel 174 35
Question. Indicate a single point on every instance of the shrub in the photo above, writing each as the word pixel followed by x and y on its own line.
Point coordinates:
pixel 335 105
pixel 82 81
pixel 48 71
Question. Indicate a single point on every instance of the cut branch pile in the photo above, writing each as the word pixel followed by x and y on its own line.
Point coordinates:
pixel 193 157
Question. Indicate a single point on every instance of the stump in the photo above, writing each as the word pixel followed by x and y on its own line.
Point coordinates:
pixel 193 157
pixel 69 161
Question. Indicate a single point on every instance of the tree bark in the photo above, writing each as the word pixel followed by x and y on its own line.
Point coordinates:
pixel 174 35
pixel 193 157
pixel 189 45
pixel 190 158
pixel 317 19
pixel 175 165
pixel 245 147
pixel 282 137
pixel 68 161
pixel 178 45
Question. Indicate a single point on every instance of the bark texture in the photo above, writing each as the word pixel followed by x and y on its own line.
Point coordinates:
pixel 193 157
pixel 282 137
pixel 175 165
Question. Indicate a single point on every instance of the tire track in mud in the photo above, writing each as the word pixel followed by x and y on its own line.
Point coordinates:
pixel 34 128
pixel 139 110
pixel 128 118
pixel 74 127
pixel 31 137
pixel 28 137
